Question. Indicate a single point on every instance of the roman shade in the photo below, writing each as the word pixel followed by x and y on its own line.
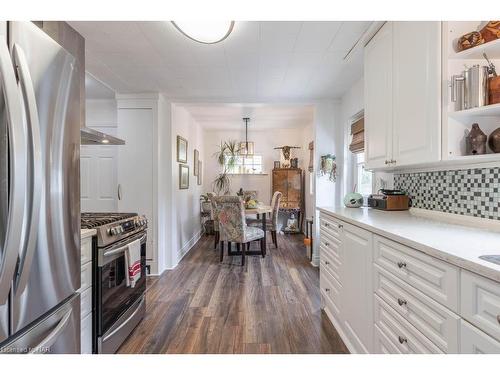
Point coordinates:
pixel 358 136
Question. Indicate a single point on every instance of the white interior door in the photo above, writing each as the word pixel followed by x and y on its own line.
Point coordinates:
pixel 378 98
pixel 98 173
pixel 135 166
pixel 417 92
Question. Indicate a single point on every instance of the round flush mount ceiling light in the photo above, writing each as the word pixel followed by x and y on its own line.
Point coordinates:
pixel 206 32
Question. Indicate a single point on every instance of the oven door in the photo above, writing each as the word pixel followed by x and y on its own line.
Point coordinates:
pixel 113 295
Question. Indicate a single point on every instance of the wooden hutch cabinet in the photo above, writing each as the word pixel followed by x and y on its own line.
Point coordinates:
pixel 289 181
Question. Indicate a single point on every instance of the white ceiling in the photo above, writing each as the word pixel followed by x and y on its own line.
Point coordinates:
pixel 258 62
pixel 262 116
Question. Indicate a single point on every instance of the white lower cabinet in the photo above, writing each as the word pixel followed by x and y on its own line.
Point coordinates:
pixel 475 341
pixel 86 297
pixel 86 334
pixel 385 297
pixel 399 332
pixel 480 303
pixel 356 275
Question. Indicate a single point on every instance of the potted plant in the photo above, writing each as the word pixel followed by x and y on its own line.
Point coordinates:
pixel 226 156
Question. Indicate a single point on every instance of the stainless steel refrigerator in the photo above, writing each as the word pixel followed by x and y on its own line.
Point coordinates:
pixel 39 193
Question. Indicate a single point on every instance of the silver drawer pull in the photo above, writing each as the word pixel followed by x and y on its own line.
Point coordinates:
pixel 402 340
pixel 327 225
pixel 327 289
pixel 327 262
pixel 341 226
pixel 402 302
pixel 401 264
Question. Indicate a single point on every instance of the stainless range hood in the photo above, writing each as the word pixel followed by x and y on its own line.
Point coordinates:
pixel 90 136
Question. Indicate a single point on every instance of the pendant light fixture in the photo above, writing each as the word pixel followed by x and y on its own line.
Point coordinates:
pixel 206 32
pixel 246 148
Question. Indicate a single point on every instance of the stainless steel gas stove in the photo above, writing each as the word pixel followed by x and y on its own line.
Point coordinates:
pixel 118 308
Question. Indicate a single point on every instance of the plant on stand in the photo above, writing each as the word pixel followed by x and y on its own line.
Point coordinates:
pixel 226 156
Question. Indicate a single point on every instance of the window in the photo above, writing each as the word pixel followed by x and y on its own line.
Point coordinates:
pixel 364 179
pixel 246 165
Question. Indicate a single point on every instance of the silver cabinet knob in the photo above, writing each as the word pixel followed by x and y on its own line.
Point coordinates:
pixel 327 244
pixel 327 225
pixel 393 161
pixel 402 340
pixel 386 162
pixel 341 226
pixel 327 289
pixel 402 302
pixel 327 262
pixel 401 264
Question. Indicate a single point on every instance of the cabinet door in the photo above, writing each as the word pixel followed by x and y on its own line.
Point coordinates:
pixel 416 92
pixel 135 166
pixel 280 183
pixel 475 341
pixel 294 188
pixel 378 98
pixel 357 293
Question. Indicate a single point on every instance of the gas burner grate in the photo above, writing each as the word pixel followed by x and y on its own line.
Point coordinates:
pixel 91 220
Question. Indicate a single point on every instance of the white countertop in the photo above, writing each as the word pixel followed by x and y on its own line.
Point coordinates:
pixel 456 244
pixel 87 233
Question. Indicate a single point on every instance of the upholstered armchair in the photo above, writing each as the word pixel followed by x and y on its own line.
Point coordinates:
pixel 233 226
pixel 271 222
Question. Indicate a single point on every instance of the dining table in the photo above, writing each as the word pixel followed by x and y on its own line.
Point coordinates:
pixel 261 211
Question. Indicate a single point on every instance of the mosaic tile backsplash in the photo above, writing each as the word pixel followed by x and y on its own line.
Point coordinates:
pixel 472 192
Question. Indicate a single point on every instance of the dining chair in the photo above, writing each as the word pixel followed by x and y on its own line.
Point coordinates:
pixel 271 222
pixel 214 217
pixel 233 226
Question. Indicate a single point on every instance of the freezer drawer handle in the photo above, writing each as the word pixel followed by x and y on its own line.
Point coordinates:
pixel 35 170
pixel 52 336
pixel 18 164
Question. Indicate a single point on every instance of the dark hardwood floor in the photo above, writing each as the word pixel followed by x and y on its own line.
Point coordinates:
pixel 271 305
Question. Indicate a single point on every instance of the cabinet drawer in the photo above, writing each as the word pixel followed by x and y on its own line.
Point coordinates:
pixel 475 341
pixel 480 303
pixel 431 276
pixel 331 245
pixel 384 345
pixel 86 250
pixel 86 280
pixel 86 302
pixel 435 321
pixel 399 332
pixel 330 226
pixel 330 263
pixel 330 291
pixel 86 335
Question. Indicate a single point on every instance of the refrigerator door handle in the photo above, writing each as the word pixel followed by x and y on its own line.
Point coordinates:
pixel 17 173
pixel 51 338
pixel 35 167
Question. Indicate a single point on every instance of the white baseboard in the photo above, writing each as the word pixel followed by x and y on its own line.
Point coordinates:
pixel 339 330
pixel 187 246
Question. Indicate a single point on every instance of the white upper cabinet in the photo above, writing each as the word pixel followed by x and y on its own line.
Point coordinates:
pixel 417 92
pixel 378 98
pixel 403 95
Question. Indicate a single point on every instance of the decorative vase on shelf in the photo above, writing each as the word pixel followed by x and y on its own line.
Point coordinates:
pixel 476 141
pixel 494 141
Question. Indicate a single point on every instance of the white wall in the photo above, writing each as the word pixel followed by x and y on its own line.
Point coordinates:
pixel 352 103
pixel 264 141
pixel 185 228
pixel 328 139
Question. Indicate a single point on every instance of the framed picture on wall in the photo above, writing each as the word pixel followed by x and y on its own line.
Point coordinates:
pixel 183 176
pixel 195 163
pixel 182 149
pixel 200 172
